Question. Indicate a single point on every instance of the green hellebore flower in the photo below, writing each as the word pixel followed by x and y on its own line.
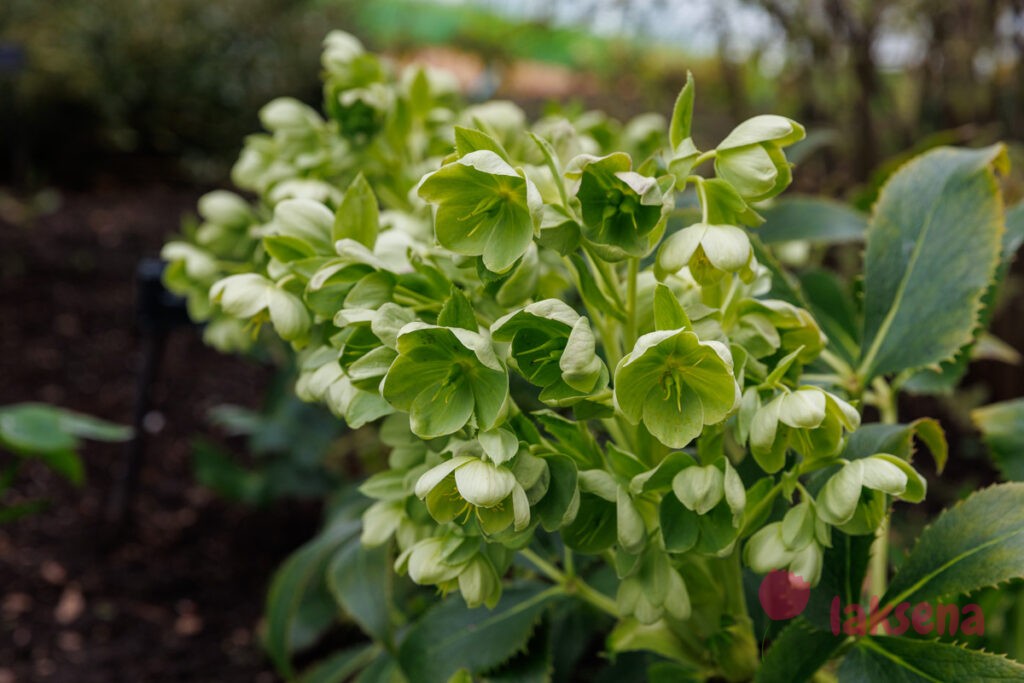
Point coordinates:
pixel 553 347
pixel 701 489
pixel 303 226
pixel 484 208
pixel 435 560
pixel 323 379
pixel 465 484
pixel 840 498
pixel 767 325
pixel 809 420
pixel 710 251
pixel 621 208
pixel 675 384
pixel 443 377
pixel 479 583
pixel 751 159
pixel 653 589
pixel 248 295
pixel 767 551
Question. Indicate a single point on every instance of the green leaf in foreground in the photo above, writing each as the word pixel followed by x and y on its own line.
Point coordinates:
pixel 1002 426
pixel 295 581
pixel 882 659
pixel 360 580
pixel 933 245
pixel 798 652
pixel 815 219
pixel 340 666
pixel 450 637
pixel 975 544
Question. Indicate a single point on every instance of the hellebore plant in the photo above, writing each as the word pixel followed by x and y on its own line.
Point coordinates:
pixel 598 389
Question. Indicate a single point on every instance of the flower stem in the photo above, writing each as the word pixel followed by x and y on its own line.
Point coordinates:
pixel 572 585
pixel 631 331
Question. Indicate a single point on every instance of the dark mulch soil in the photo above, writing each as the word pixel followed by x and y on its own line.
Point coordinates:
pixel 179 599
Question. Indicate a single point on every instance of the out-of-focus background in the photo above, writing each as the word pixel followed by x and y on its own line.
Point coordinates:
pixel 116 116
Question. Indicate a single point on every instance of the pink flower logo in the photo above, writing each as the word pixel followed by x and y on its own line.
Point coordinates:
pixel 783 595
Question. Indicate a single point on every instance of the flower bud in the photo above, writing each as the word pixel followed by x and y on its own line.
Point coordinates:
pixel 699 488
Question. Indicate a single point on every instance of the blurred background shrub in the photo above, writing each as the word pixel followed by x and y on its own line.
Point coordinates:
pixel 183 79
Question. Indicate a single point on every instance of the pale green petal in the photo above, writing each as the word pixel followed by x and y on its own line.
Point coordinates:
pixel 679 247
pixel 699 488
pixel 667 424
pixel 726 246
pixel 763 128
pixel 580 365
pixel 484 484
pixel 520 508
pixel 803 409
pixel 807 564
pixel 287 313
pixel 765 550
pixel 500 445
pixel 441 411
pixel 434 476
pixel 838 499
pixel 241 296
pixel 882 475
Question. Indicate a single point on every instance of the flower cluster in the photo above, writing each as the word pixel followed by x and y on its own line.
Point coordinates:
pixel 548 345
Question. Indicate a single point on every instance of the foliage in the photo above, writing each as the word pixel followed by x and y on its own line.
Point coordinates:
pixel 596 401
pixel 35 431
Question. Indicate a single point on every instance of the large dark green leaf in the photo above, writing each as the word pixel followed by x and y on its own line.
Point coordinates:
pixel 811 218
pixel 359 578
pixel 1002 426
pixel 340 666
pixel 884 659
pixel 290 622
pixel 450 637
pixel 933 245
pixel 975 544
pixel 798 652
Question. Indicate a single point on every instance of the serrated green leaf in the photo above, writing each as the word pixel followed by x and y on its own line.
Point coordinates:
pixel 951 372
pixel 1002 427
pixel 359 578
pixel 882 659
pixel 975 544
pixel 301 575
pixel 450 637
pixel 797 653
pixel 897 439
pixel 358 216
pixel 932 249
pixel 682 113
pixel 815 219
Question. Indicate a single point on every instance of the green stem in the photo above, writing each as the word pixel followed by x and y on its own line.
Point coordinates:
pixel 885 400
pixel 631 331
pixel 572 585
pixel 880 560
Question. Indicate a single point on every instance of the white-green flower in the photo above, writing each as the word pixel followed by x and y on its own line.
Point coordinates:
pixel 675 384
pixel 710 251
pixel 809 420
pixel 465 485
pixel 253 297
